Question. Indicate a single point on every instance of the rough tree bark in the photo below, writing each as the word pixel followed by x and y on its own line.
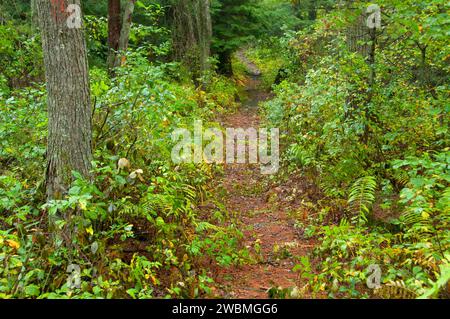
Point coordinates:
pixel 125 32
pixel 204 31
pixel 192 34
pixel 114 28
pixel 69 108
pixel 34 19
pixel 423 73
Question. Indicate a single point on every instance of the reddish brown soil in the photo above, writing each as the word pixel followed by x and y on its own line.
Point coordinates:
pixel 263 211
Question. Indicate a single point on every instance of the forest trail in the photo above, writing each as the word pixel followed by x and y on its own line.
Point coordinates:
pixel 264 215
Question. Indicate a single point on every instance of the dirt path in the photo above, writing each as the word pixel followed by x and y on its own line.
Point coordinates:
pixel 266 213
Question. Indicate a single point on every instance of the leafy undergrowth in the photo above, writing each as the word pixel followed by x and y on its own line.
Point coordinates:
pixel 379 154
pixel 138 231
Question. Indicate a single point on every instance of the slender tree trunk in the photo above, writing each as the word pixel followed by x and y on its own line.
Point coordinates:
pixel 114 28
pixel 125 32
pixel 68 99
pixel 422 74
pixel 204 26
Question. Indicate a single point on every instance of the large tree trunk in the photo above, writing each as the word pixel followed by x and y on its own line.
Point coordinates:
pixel 192 33
pixel 125 32
pixel 114 28
pixel 69 108
pixel 204 31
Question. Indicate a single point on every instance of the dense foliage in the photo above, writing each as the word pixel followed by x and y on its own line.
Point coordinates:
pixel 371 132
pixel 379 151
pixel 139 232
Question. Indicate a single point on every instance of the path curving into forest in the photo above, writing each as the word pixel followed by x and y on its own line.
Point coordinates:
pixel 264 214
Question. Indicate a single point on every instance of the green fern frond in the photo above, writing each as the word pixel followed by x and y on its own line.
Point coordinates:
pixel 395 290
pixel 362 195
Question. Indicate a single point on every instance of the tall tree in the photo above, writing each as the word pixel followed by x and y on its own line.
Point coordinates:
pixel 114 27
pixel 125 32
pixel 192 33
pixel 69 107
